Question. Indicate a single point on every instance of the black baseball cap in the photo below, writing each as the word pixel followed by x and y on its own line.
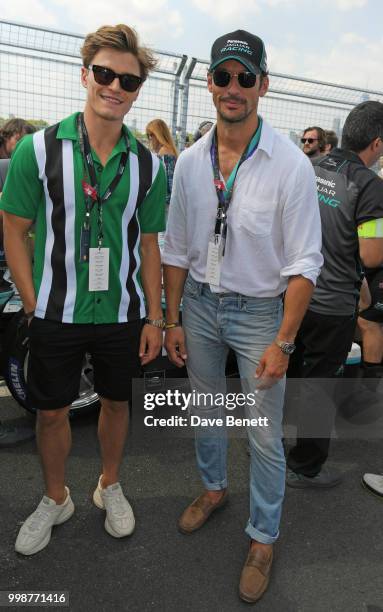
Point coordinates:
pixel 243 47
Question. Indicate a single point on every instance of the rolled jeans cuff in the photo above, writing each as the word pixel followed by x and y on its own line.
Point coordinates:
pixel 215 486
pixel 254 534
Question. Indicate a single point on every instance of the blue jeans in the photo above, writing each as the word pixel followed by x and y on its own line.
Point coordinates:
pixel 213 323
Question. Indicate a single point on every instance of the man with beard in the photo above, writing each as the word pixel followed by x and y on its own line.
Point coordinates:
pixel 314 142
pixel 243 228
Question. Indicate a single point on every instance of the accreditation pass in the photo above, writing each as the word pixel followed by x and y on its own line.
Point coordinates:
pixel 98 269
pixel 214 260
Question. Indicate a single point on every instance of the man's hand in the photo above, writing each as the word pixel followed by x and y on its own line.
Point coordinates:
pixel 272 367
pixel 175 346
pixel 150 343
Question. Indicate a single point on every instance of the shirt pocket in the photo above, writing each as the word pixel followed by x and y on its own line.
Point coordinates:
pixel 257 221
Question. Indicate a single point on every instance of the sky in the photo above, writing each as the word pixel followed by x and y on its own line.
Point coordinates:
pixel 339 41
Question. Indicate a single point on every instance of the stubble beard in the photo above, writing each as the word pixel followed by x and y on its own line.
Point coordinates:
pixel 238 119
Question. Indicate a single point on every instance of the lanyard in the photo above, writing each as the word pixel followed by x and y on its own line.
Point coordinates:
pixel 224 195
pixel 91 189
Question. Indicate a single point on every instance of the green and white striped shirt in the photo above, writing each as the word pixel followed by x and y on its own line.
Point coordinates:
pixel 44 185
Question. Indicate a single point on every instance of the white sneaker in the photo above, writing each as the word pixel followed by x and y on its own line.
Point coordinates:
pixel 119 521
pixel 36 532
pixel 374 483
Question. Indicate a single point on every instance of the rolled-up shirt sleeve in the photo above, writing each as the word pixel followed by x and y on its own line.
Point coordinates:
pixel 301 226
pixel 175 245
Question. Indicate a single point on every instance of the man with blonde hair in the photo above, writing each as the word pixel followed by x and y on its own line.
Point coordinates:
pixel 97 198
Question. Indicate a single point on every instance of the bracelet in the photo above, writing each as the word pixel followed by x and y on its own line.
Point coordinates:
pixel 29 315
pixel 172 325
pixel 155 322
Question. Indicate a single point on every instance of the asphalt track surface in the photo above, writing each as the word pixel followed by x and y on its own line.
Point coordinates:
pixel 329 557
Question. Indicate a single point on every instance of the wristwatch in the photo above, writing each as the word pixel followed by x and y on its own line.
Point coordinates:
pixel 286 347
pixel 155 322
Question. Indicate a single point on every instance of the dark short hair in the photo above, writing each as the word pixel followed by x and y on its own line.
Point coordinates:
pixel 321 136
pixel 15 126
pixel 362 126
pixel 331 138
pixel 198 132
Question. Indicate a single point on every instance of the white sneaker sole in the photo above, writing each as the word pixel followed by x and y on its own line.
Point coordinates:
pixel 64 516
pixel 371 489
pixel 97 500
pixel 116 534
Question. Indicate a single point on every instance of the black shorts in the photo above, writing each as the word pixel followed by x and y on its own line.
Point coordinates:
pixel 57 351
pixel 374 280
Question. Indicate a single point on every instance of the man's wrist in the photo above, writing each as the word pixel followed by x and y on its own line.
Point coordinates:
pixel 285 336
pixel 155 314
pixel 29 315
pixel 172 324
pixel 286 347
pixel 172 315
pixel 160 323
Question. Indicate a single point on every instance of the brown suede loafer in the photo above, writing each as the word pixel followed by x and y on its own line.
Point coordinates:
pixel 198 512
pixel 255 574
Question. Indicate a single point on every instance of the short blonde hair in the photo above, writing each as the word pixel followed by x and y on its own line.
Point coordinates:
pixel 120 37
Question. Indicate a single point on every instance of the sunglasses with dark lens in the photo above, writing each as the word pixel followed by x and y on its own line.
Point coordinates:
pixel 106 76
pixel 309 140
pixel 222 78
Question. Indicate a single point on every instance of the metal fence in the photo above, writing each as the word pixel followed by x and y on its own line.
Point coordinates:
pixel 40 80
pixel 291 104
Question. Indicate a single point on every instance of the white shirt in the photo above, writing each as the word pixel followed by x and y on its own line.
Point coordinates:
pixel 274 227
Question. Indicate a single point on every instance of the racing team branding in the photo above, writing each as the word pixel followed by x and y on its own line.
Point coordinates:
pixel 240 46
pixel 327 192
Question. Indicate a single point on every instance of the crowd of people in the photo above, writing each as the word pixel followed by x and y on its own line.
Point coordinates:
pixel 260 268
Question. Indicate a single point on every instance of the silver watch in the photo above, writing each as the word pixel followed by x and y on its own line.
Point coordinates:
pixel 286 347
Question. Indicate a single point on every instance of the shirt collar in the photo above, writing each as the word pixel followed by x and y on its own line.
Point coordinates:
pixel 345 154
pixel 266 141
pixel 68 131
pixel 207 139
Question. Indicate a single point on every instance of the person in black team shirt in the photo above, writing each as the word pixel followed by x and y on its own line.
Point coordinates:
pixel 351 206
